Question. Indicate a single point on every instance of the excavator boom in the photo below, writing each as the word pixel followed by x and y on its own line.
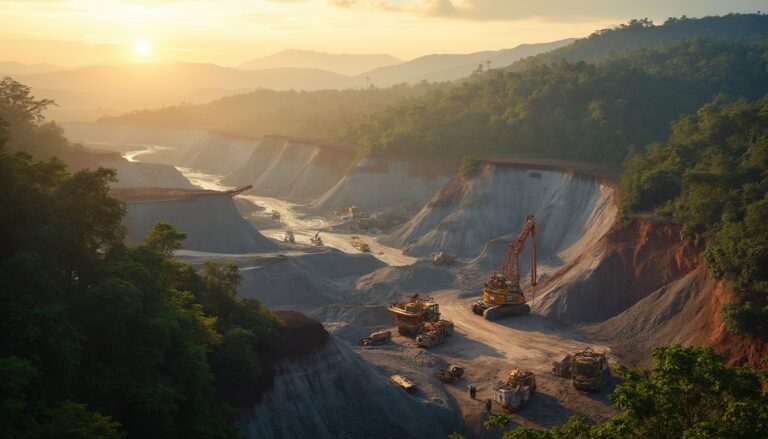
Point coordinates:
pixel 511 267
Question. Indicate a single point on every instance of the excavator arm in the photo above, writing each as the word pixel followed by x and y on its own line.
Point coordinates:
pixel 511 267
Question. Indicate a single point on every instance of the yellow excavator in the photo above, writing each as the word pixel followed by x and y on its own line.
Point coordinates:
pixel 502 295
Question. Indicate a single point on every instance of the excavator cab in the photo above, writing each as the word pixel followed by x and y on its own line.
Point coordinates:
pixel 502 295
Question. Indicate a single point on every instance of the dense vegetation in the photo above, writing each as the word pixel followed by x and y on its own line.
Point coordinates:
pixel 688 393
pixel 711 176
pixel 644 34
pixel 317 114
pixel 576 110
pixel 100 338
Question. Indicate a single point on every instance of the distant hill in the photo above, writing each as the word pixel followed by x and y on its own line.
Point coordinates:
pixel 449 67
pixel 10 68
pixel 89 92
pixel 342 63
pixel 643 34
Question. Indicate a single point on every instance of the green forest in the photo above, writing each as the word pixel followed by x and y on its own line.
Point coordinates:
pixel 102 338
pixel 711 176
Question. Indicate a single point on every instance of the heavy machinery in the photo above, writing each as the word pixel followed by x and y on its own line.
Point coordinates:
pixel 587 369
pixel 443 258
pixel 239 190
pixel 502 295
pixel 316 240
pixel 288 236
pixel 403 382
pixel 434 333
pixel 360 244
pixel 516 390
pixel 275 215
pixel 452 373
pixel 376 338
pixel 412 314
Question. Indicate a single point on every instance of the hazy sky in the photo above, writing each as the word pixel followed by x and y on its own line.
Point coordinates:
pixel 77 32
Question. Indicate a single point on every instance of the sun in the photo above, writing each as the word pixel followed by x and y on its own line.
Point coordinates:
pixel 142 48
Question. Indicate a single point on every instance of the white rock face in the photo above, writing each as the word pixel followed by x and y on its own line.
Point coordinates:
pixel 571 212
pixel 335 394
pixel 211 222
pixel 379 183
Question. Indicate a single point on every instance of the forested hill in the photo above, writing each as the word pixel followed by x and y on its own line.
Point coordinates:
pixel 643 34
pixel 574 110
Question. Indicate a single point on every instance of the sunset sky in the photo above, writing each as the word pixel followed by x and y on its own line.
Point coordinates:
pixel 228 32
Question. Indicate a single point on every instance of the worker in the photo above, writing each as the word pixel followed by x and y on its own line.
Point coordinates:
pixel 488 406
pixel 472 391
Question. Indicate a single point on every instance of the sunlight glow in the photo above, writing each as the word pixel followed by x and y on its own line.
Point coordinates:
pixel 142 48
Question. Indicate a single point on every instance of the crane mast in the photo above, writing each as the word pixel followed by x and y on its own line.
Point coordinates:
pixel 511 267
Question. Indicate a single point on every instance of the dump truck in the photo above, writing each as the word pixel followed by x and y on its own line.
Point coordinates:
pixel 516 390
pixel 434 333
pixel 403 382
pixel 360 244
pixel 443 258
pixel 289 236
pixel 502 294
pixel 452 373
pixel 377 338
pixel 412 314
pixel 587 369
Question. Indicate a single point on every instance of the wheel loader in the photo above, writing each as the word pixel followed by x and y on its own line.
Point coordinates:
pixel 502 294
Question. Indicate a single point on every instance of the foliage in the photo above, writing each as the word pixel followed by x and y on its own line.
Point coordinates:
pixel 316 114
pixel 575 110
pixel 688 393
pixel 711 176
pixel 149 344
pixel 469 166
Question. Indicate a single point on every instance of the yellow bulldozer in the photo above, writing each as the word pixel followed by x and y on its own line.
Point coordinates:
pixel 502 294
pixel 412 314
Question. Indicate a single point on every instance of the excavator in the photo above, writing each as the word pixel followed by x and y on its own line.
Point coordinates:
pixel 502 295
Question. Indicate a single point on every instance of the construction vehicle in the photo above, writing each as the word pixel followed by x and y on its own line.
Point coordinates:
pixel 403 382
pixel 316 240
pixel 360 244
pixel 275 215
pixel 587 369
pixel 516 390
pixel 239 190
pixel 502 295
pixel 450 374
pixel 376 338
pixel 288 236
pixel 355 212
pixel 412 314
pixel 443 258
pixel 434 333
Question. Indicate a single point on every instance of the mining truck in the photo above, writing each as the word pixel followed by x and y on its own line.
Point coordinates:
pixel 412 314
pixel 587 369
pixel 452 373
pixel 502 295
pixel 434 333
pixel 360 244
pixel 516 390
pixel 377 338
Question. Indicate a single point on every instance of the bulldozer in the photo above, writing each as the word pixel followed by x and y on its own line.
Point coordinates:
pixel 586 369
pixel 413 314
pixel 502 294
